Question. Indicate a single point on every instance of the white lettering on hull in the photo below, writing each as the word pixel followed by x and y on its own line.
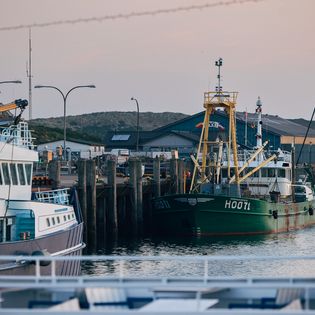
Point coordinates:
pixel 237 204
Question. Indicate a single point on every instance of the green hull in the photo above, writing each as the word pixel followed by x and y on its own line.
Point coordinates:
pixel 203 214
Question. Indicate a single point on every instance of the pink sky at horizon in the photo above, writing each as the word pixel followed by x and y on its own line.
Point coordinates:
pixel 165 61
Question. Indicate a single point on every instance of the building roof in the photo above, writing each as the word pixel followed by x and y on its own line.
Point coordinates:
pixel 276 124
pixel 271 123
pixel 120 139
pixel 80 141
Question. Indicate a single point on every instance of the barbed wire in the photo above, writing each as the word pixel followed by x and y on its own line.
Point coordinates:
pixel 129 15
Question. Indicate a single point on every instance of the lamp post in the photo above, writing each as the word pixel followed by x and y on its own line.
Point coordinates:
pixel 134 99
pixel 10 81
pixel 15 81
pixel 310 154
pixel 64 96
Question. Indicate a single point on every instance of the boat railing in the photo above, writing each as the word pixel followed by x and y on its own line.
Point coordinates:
pixel 18 135
pixel 57 196
pixel 199 267
pixel 120 272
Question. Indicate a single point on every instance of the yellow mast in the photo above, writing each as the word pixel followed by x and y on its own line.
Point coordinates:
pixel 212 101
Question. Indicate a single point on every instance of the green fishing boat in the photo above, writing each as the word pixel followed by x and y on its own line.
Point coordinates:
pixel 235 192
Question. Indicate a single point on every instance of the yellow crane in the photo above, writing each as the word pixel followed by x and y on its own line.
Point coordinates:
pixel 13 105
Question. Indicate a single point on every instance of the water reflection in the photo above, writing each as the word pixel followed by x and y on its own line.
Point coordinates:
pixel 294 243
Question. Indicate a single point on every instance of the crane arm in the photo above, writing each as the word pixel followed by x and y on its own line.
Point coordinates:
pixel 13 105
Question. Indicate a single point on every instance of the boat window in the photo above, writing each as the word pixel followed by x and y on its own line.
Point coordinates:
pixel 21 174
pixel 13 174
pixel 69 217
pixel 48 221
pixel 72 215
pixel 264 172
pixel 53 221
pixel 6 175
pixel 1 181
pixel 271 172
pixel 254 174
pixel 1 230
pixel 28 169
pixel 224 173
pixel 58 220
pixel 299 189
pixel 64 218
pixel 281 172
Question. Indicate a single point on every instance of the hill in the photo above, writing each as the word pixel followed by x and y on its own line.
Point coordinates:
pixel 303 122
pixel 93 127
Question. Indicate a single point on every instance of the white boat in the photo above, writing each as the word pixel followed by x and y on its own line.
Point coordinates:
pixel 41 223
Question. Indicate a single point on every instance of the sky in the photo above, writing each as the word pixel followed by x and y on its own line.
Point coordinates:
pixel 166 61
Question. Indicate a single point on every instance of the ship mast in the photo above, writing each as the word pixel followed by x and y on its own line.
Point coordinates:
pixel 259 127
pixel 212 101
pixel 29 74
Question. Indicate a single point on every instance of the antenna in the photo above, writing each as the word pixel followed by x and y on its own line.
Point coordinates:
pixel 29 74
pixel 218 64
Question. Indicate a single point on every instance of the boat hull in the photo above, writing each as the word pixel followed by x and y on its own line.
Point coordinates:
pixel 203 214
pixel 65 243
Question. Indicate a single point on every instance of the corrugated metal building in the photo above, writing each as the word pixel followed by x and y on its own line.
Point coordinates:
pixel 183 135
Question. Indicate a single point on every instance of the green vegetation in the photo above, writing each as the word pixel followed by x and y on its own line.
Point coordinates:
pixel 93 127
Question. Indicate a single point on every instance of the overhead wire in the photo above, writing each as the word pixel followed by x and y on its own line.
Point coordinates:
pixel 129 15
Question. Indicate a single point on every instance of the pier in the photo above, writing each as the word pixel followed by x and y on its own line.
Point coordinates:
pixel 113 205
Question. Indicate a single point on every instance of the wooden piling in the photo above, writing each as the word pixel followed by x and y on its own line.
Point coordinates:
pixel 112 198
pixel 54 173
pixel 139 197
pixel 91 202
pixel 181 176
pixel 82 194
pixel 157 177
pixel 174 175
pixel 133 196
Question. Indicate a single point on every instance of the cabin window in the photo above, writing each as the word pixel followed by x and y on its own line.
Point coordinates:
pixel 1 181
pixel 48 221
pixel 271 172
pixel 6 175
pixel 58 220
pixel 64 218
pixel 13 174
pixel 28 169
pixel 72 215
pixel 281 172
pixel 21 174
pixel 53 221
pixel 264 172
pixel 69 217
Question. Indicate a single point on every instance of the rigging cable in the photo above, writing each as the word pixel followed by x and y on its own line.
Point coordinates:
pixel 308 128
pixel 129 15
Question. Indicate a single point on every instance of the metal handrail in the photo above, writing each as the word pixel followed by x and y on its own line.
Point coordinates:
pixel 18 135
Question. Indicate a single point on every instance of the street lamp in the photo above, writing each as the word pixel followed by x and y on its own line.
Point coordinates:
pixel 64 96
pixel 134 99
pixel 15 81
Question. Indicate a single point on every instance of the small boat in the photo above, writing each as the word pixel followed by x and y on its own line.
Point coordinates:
pixel 44 223
pixel 236 192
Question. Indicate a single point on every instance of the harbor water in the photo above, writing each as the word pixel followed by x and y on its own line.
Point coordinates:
pixel 295 243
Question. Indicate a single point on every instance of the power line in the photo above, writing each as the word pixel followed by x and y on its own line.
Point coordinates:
pixel 120 16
